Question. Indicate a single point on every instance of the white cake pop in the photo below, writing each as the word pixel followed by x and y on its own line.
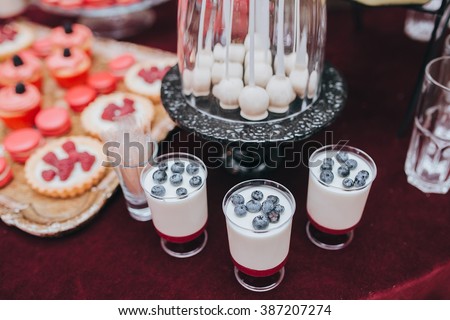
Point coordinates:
pixel 263 73
pixel 260 42
pixel 235 70
pixel 289 63
pixel 281 94
pixel 312 84
pixel 187 81
pixel 299 80
pixel 228 92
pixel 205 58
pixel 201 81
pixel 260 56
pixel 254 102
pixel 236 54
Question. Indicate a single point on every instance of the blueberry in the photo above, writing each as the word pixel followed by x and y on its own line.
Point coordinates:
pixel 240 210
pixel 160 176
pixel 326 166
pixel 257 195
pixel 342 156
pixel 237 199
pixel 253 206
pixel 343 171
pixel 181 192
pixel 274 199
pixel 192 168
pixel 158 191
pixel 260 222
pixel 363 174
pixel 347 183
pixel 273 216
pixel 267 206
pixel 278 209
pixel 176 179
pixel 360 181
pixel 177 167
pixel 327 176
pixel 328 161
pixel 351 164
pixel 163 166
pixel 195 181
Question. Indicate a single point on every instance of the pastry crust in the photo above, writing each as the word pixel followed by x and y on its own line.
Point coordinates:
pixel 134 83
pixel 71 188
pixel 91 116
pixel 24 39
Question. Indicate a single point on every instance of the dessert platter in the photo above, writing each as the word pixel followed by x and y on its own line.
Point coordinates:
pixel 252 82
pixel 110 18
pixel 60 88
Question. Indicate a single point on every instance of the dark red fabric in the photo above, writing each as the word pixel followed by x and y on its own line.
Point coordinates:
pixel 401 247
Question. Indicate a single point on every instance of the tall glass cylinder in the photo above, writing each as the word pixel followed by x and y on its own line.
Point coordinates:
pixel 251 60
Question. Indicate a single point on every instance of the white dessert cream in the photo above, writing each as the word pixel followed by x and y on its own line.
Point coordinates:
pixel 177 216
pixel 332 206
pixel 259 249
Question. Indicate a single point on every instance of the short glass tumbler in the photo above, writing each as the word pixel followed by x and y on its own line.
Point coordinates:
pixel 340 178
pixel 427 163
pixel 128 166
pixel 259 220
pixel 175 186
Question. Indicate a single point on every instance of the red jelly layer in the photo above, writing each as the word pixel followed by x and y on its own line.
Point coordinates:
pixel 181 239
pixel 327 230
pixel 259 273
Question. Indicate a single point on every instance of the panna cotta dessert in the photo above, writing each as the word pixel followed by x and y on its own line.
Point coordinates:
pixel 340 178
pixel 259 221
pixel 175 186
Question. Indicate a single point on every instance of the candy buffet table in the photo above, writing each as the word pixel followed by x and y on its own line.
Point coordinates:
pixel 401 248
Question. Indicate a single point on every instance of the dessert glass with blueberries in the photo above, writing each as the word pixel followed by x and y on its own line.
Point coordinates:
pixel 175 187
pixel 259 221
pixel 340 178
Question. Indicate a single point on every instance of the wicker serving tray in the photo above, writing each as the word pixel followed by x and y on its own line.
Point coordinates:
pixel 42 216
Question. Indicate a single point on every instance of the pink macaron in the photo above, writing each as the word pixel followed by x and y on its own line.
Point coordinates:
pixel 53 122
pixel 21 143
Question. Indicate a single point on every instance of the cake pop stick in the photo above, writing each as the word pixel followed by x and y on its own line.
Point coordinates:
pixel 313 83
pixel 201 75
pixel 279 87
pixel 229 74
pixel 234 52
pixel 253 100
pixel 299 76
pixel 263 58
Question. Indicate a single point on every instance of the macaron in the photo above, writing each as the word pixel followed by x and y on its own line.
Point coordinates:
pixel 53 122
pixel 6 174
pixel 119 65
pixel 21 143
pixel 79 97
pixel 103 82
pixel 42 47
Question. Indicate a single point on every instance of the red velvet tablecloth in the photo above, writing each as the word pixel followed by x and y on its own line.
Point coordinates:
pixel 401 248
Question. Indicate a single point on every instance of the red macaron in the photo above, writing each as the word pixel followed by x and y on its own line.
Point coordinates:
pixel 6 174
pixel 103 82
pixel 79 97
pixel 21 143
pixel 53 122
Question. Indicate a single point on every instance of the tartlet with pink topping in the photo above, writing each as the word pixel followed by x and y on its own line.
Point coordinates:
pixel 14 37
pixel 145 78
pixel 66 167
